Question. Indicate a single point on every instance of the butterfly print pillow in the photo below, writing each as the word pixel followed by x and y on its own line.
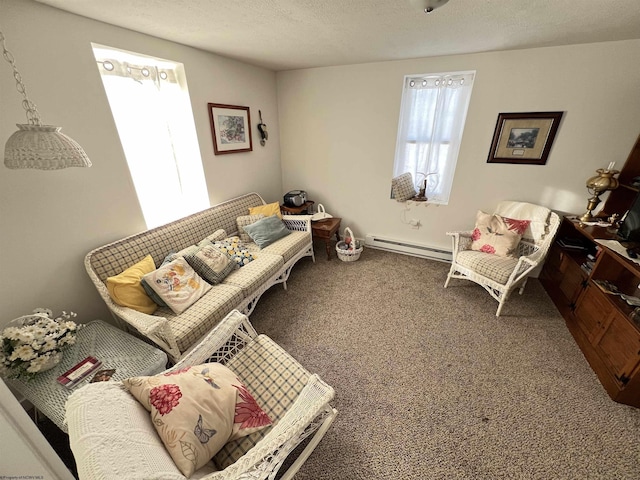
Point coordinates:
pixel 196 410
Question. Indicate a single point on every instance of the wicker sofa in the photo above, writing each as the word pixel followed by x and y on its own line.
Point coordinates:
pixel 176 333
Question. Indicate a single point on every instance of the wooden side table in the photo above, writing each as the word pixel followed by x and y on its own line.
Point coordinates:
pixel 325 229
pixel 117 349
pixel 302 209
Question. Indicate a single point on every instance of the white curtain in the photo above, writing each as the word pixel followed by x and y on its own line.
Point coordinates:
pixel 432 116
pixel 155 123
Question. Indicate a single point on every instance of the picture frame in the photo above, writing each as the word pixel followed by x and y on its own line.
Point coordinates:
pixel 230 128
pixel 524 138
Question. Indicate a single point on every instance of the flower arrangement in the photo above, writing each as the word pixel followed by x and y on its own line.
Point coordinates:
pixel 34 343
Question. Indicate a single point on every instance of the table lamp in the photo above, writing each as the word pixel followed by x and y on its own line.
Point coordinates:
pixel 596 186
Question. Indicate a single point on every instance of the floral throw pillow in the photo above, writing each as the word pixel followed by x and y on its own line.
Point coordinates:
pixel 497 235
pixel 233 247
pixel 177 284
pixel 196 410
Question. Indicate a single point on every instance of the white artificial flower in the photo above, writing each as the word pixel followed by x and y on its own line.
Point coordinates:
pixel 23 352
pixel 31 330
pixel 24 337
pixel 36 365
pixel 69 325
pixel 49 344
pixel 11 333
pixel 30 347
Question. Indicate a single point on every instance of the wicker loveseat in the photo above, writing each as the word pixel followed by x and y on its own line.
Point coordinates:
pixel 176 333
pixel 112 436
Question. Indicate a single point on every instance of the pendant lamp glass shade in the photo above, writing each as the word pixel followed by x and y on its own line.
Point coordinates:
pixel 43 147
pixel 35 145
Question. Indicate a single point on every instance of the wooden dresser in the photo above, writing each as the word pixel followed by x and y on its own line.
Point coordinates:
pixel 604 325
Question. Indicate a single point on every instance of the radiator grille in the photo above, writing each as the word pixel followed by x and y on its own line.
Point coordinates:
pixel 408 248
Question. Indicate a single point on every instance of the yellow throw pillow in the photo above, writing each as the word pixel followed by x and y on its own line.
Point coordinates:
pixel 267 210
pixel 125 289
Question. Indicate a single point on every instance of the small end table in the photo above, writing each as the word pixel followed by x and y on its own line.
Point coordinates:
pixel 325 229
pixel 117 349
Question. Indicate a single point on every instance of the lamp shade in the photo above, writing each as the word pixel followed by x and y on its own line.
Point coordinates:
pixel 43 147
pixel 603 181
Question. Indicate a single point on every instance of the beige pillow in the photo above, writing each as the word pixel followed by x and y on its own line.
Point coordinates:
pixel 177 284
pixel 244 220
pixel 402 188
pixel 196 410
pixel 493 235
pixel 126 290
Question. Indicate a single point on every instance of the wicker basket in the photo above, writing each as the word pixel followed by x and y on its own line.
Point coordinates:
pixel 348 252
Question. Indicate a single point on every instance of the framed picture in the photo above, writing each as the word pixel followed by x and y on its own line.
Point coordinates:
pixel 524 138
pixel 230 128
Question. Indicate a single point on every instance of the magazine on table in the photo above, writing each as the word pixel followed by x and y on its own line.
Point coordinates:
pixel 79 372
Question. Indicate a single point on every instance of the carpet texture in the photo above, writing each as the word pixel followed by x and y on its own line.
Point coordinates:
pixel 431 385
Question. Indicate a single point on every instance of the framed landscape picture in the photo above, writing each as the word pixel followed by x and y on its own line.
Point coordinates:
pixel 524 138
pixel 230 128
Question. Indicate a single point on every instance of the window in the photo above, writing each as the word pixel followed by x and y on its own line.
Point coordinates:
pixel 432 116
pixel 150 104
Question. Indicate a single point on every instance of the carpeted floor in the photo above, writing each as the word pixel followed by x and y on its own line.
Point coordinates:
pixel 431 385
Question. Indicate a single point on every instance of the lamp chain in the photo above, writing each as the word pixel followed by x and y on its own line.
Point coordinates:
pixel 33 117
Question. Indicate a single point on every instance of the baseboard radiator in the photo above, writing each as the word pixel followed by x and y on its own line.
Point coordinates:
pixel 408 248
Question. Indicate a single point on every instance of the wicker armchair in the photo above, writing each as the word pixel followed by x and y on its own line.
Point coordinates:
pixel 500 276
pixel 112 436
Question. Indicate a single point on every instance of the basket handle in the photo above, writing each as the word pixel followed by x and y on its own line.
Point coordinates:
pixel 349 233
pixel 321 208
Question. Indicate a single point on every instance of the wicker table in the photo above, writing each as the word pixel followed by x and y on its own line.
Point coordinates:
pixel 325 230
pixel 114 347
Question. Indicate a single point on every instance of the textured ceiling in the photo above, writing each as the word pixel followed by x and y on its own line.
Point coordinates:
pixel 290 34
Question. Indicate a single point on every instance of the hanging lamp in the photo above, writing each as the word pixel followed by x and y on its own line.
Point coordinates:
pixel 36 145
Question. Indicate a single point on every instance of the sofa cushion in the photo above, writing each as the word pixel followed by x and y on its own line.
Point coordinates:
pixel 126 290
pixel 266 231
pixel 244 220
pixel 286 247
pixel 202 316
pixel 196 410
pixel 211 263
pixel 177 284
pixel 274 378
pixel 254 275
pixel 267 210
pixel 402 187
pixel 491 266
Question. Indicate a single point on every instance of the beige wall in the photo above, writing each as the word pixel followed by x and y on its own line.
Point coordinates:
pixel 338 132
pixel 50 220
